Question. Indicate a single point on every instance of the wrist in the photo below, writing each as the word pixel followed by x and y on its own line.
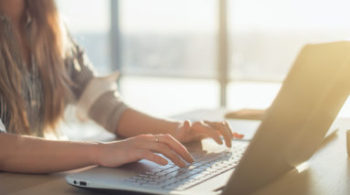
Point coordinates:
pixel 177 131
pixel 175 125
pixel 94 153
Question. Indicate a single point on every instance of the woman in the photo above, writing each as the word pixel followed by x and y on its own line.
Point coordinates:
pixel 41 71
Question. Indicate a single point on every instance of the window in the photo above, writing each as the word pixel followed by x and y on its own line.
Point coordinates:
pixel 168 38
pixel 267 35
pixel 89 23
pixel 168 54
pixel 168 49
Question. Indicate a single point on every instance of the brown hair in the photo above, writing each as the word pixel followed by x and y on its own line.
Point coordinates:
pixel 47 47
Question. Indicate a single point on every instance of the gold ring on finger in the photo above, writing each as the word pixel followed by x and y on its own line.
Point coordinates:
pixel 156 138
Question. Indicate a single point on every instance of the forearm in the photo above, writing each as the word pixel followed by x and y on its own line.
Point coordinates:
pixel 35 155
pixel 133 122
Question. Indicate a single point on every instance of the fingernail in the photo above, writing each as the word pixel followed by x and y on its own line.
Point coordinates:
pixel 237 135
pixel 182 165
pixel 191 159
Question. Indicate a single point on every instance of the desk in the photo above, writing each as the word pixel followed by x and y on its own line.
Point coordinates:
pixel 328 171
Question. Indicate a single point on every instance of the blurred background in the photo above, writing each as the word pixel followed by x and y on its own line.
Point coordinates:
pixel 181 55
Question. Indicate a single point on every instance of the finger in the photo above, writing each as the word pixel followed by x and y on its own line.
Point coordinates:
pixel 199 137
pixel 146 154
pixel 224 125
pixel 237 135
pixel 228 128
pixel 227 136
pixel 224 129
pixel 206 130
pixel 175 145
pixel 168 152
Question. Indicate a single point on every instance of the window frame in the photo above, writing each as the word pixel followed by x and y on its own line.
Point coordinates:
pixel 222 65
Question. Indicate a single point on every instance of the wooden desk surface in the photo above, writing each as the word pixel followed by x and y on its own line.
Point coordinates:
pixel 328 172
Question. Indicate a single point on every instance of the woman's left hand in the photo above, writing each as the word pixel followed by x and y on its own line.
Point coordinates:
pixel 195 131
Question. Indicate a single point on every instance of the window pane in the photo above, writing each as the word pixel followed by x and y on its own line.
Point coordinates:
pixel 267 35
pixel 257 95
pixel 168 38
pixel 89 23
pixel 169 96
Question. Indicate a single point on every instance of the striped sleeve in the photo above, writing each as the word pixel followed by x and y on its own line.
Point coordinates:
pixel 80 70
pixel 97 97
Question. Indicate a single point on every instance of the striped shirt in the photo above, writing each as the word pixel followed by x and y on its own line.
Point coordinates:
pixel 105 108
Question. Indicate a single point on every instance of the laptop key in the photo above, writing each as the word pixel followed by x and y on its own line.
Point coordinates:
pixel 171 177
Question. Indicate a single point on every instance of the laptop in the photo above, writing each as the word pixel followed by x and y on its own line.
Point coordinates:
pixel 290 132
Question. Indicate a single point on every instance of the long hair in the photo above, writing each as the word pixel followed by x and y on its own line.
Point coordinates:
pixel 48 49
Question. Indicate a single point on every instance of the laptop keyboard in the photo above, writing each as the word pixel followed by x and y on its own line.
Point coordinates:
pixel 172 177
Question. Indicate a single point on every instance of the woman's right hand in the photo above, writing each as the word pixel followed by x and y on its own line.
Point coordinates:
pixel 146 146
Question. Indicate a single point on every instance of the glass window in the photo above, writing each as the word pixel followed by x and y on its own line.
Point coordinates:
pixel 169 96
pixel 168 38
pixel 267 35
pixel 89 23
